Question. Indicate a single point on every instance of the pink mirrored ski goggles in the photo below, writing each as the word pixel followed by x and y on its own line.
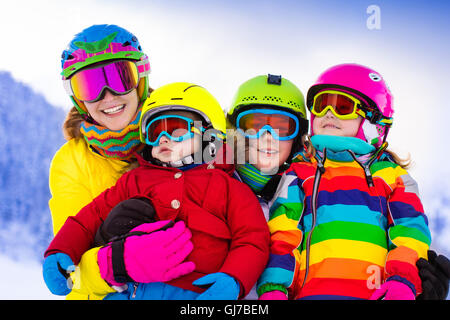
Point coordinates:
pixel 119 76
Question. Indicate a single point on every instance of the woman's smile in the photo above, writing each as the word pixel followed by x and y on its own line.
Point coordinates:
pixel 114 110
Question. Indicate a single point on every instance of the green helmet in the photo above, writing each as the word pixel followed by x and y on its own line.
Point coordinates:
pixel 271 91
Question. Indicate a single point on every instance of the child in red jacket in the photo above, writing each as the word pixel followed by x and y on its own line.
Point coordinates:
pixel 183 179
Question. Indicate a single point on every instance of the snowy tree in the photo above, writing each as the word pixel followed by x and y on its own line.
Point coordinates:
pixel 30 133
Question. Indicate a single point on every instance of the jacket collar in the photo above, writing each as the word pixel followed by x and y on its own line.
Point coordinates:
pixel 338 148
pixel 338 144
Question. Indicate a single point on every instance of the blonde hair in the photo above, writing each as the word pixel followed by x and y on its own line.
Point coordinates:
pixel 310 151
pixel 72 123
pixel 405 163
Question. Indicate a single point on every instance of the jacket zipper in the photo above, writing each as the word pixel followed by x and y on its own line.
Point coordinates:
pixel 135 286
pixel 366 168
pixel 319 172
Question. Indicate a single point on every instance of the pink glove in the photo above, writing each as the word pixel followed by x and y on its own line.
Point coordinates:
pixel 273 295
pixel 393 290
pixel 153 257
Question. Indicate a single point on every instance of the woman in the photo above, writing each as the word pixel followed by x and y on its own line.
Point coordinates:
pixel 105 72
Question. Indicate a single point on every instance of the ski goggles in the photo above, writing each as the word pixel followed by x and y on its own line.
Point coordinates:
pixel 342 105
pixel 176 128
pixel 120 76
pixel 280 124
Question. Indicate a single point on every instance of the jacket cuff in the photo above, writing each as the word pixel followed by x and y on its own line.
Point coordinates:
pixel 88 280
pixel 404 281
pixel 401 262
pixel 267 287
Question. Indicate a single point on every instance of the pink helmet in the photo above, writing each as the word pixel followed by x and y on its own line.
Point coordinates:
pixel 368 86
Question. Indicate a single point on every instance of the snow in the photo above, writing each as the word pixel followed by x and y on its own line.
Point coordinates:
pixel 22 280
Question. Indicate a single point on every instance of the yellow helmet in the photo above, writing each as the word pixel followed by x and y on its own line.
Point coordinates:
pixel 183 96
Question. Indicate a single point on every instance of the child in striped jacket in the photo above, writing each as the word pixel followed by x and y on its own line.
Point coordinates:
pixel 346 221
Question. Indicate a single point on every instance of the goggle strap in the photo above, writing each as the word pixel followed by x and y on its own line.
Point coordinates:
pixel 361 112
pixel 386 121
pixel 196 130
pixel 143 68
pixel 375 117
pixel 68 87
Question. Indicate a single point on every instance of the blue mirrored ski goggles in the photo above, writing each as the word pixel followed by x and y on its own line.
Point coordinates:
pixel 176 128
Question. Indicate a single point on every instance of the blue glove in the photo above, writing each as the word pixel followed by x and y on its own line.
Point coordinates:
pixel 222 287
pixel 56 271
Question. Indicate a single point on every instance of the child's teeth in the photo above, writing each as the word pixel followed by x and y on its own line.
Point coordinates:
pixel 113 110
pixel 267 151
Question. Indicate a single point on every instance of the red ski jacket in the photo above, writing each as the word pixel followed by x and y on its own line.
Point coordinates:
pixel 229 231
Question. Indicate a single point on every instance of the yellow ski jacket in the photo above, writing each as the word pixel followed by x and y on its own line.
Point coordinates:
pixel 78 175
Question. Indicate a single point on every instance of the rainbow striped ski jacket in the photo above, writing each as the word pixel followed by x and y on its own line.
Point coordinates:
pixel 343 223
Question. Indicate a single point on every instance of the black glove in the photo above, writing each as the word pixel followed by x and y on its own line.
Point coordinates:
pixel 127 215
pixel 435 276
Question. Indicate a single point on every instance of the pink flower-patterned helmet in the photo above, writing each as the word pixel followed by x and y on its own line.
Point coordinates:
pixel 366 85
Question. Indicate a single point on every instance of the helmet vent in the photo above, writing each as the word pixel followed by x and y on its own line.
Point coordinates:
pixel 68 57
pixel 271 98
pixel 250 98
pixel 294 104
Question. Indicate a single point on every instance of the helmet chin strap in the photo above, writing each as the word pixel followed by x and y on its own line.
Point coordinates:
pixel 369 133
pixel 172 164
pixel 212 149
pixel 179 163
pixel 360 134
